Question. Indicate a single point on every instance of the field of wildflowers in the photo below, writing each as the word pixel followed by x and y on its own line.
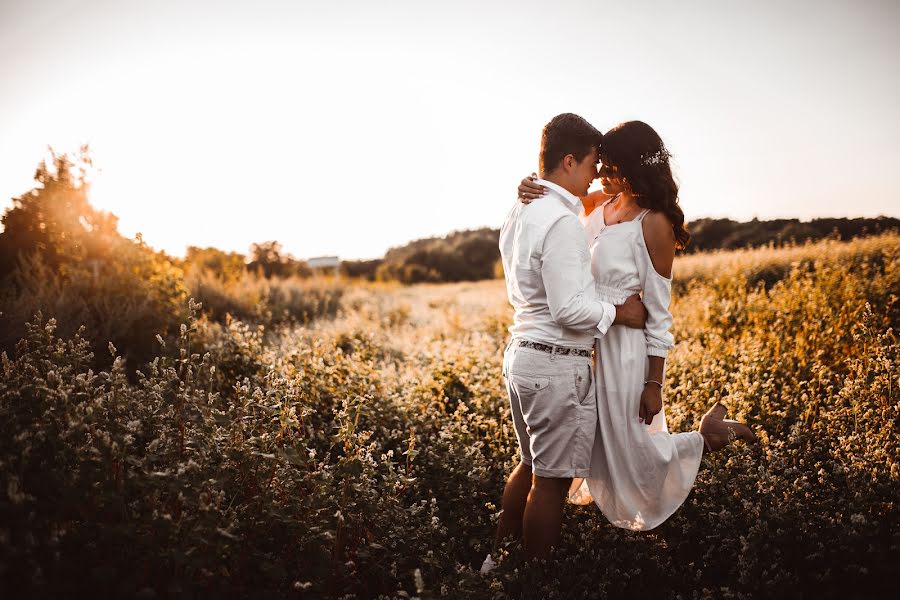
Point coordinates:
pixel 362 453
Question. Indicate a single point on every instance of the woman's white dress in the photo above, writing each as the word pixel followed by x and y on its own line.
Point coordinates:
pixel 640 474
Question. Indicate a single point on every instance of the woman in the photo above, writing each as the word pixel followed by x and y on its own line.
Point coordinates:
pixel 641 473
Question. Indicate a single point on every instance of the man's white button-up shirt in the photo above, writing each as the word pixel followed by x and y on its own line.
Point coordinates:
pixel 548 272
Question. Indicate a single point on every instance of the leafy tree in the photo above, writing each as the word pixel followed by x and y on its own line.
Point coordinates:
pixel 460 256
pixel 362 269
pixel 227 266
pixel 268 258
pixel 55 219
pixel 62 257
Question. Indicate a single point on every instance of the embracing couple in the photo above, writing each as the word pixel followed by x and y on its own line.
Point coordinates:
pixel 590 277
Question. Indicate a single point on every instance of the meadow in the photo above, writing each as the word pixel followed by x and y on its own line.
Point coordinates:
pixel 360 451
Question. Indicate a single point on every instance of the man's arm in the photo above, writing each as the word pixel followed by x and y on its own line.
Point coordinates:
pixel 563 263
pixel 632 313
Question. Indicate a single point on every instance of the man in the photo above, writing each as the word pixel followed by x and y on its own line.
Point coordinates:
pixel 547 364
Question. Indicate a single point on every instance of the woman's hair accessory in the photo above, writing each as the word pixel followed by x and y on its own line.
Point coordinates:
pixel 660 156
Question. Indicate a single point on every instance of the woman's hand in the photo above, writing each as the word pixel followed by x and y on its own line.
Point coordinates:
pixel 651 403
pixel 529 190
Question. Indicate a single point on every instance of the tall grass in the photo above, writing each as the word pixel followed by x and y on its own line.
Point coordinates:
pixel 364 455
pixel 772 263
pixel 273 301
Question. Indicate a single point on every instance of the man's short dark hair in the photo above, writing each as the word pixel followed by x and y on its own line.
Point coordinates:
pixel 567 134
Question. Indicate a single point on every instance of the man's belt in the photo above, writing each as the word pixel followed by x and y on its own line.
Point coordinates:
pixel 551 349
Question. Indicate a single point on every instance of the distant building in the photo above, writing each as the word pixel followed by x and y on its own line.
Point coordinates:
pixel 324 265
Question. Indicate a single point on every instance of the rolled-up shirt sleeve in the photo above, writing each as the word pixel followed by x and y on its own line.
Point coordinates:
pixel 565 269
pixel 656 295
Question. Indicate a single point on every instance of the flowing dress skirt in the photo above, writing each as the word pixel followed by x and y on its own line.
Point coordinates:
pixel 640 474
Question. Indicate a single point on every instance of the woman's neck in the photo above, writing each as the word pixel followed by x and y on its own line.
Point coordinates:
pixel 623 200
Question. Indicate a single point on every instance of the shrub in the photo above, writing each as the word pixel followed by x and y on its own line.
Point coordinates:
pixel 127 301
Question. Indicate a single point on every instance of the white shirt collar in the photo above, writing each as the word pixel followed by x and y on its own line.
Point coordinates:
pixel 571 198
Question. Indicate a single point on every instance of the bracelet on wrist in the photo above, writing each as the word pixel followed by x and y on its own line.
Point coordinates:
pixel 659 383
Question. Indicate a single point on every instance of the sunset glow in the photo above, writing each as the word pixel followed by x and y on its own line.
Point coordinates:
pixel 348 129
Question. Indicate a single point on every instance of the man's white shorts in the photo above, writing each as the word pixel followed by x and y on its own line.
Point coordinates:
pixel 554 409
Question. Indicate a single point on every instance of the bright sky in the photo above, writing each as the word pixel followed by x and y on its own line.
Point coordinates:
pixel 347 127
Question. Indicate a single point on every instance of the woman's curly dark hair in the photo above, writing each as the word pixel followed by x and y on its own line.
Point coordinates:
pixel 639 156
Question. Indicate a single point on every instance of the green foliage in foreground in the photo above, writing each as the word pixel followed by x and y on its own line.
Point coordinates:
pixel 365 456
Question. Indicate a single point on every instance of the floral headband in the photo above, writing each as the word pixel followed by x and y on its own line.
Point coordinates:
pixel 660 156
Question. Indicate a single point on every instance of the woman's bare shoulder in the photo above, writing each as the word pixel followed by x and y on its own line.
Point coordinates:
pixel 657 219
pixel 659 237
pixel 658 226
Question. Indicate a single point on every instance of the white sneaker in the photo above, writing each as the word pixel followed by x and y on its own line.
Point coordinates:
pixel 488 565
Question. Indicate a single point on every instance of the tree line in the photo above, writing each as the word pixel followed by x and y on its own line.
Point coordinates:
pixel 474 254
pixel 725 234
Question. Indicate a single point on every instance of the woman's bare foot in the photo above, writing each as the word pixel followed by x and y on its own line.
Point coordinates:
pixel 718 432
pixel 716 412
